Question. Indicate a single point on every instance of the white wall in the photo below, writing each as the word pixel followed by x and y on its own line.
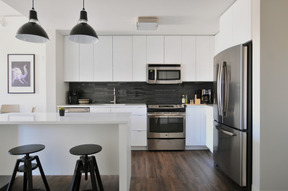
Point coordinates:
pixel 10 45
pixel 273 108
pixel 56 88
pixel 256 94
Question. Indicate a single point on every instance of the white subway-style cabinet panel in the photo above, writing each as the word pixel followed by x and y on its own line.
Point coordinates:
pixel 155 49
pixel 188 58
pixel 86 62
pixel 122 58
pixel 173 49
pixel 203 61
pixel 71 60
pixel 103 59
pixel 139 58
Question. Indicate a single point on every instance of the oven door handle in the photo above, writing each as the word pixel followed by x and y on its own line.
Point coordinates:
pixel 166 116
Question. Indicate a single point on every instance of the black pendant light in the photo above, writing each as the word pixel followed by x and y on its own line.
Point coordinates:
pixel 32 31
pixel 83 32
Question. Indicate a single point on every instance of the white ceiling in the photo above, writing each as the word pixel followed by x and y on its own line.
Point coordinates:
pixel 185 17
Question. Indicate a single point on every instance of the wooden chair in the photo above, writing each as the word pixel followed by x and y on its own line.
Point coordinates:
pixel 10 108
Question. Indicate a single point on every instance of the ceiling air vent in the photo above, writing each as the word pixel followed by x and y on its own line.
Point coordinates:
pixel 147 23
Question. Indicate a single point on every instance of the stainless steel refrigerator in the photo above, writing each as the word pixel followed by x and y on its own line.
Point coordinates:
pixel 232 131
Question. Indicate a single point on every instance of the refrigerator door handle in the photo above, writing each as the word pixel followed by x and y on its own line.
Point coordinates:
pixel 226 88
pixel 225 132
pixel 219 89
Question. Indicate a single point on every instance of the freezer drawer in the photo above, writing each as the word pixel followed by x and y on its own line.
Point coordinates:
pixel 230 152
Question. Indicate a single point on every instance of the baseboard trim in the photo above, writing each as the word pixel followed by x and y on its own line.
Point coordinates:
pixel 143 148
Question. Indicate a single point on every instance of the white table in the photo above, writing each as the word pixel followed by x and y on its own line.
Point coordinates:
pixel 59 134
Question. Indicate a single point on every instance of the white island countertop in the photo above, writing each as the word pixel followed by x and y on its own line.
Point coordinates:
pixel 69 118
pixel 59 134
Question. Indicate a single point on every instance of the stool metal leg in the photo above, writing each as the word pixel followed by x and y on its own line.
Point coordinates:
pixel 42 173
pixel 97 174
pixel 76 177
pixel 92 174
pixel 25 181
pixel 28 169
pixel 13 175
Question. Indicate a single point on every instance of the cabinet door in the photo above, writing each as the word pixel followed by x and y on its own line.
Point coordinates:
pixel 226 30
pixel 138 138
pixel 209 128
pixel 100 109
pixel 71 60
pixel 203 62
pixel 86 62
pixel 139 58
pixel 173 46
pixel 103 59
pixel 155 49
pixel 195 126
pixel 241 22
pixel 188 58
pixel 122 58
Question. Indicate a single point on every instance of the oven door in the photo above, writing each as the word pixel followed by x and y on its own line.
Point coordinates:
pixel 166 125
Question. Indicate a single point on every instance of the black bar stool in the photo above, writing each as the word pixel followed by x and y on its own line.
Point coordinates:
pixel 28 166
pixel 86 164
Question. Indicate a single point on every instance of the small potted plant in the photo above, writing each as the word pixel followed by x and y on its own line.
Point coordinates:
pixel 61 111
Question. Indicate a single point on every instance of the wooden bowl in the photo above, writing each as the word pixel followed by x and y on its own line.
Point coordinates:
pixel 83 101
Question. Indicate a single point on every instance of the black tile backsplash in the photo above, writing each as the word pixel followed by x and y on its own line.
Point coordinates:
pixel 137 92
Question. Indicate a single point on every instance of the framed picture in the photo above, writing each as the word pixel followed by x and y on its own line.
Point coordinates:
pixel 21 73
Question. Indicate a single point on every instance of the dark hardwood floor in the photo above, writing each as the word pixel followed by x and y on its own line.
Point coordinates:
pixel 155 171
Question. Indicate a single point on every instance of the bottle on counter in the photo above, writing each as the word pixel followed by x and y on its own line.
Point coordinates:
pixel 183 99
pixel 186 99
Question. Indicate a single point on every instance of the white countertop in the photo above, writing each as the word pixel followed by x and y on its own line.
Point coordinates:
pixel 199 105
pixel 105 105
pixel 69 118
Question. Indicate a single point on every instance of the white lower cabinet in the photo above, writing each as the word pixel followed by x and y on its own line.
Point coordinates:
pixel 138 123
pixel 139 138
pixel 196 126
pixel 138 126
pixel 209 128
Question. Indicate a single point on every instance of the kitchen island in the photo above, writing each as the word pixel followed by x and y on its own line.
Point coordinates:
pixel 59 134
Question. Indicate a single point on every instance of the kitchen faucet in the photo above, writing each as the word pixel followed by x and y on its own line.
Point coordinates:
pixel 114 97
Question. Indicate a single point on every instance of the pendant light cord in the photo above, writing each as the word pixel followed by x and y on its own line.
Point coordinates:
pixel 32 4
pixel 83 5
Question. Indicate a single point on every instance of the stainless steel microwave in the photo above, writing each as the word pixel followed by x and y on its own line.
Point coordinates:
pixel 164 74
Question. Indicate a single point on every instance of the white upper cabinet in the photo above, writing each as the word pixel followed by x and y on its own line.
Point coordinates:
pixel 86 62
pixel 155 49
pixel 242 21
pixel 71 60
pixel 103 59
pixel 188 58
pixel 235 26
pixel 139 58
pixel 203 59
pixel 173 49
pixel 122 58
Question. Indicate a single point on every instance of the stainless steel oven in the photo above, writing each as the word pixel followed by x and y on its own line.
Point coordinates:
pixel 166 127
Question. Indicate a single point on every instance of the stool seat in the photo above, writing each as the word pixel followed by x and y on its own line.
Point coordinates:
pixel 26 149
pixel 86 149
